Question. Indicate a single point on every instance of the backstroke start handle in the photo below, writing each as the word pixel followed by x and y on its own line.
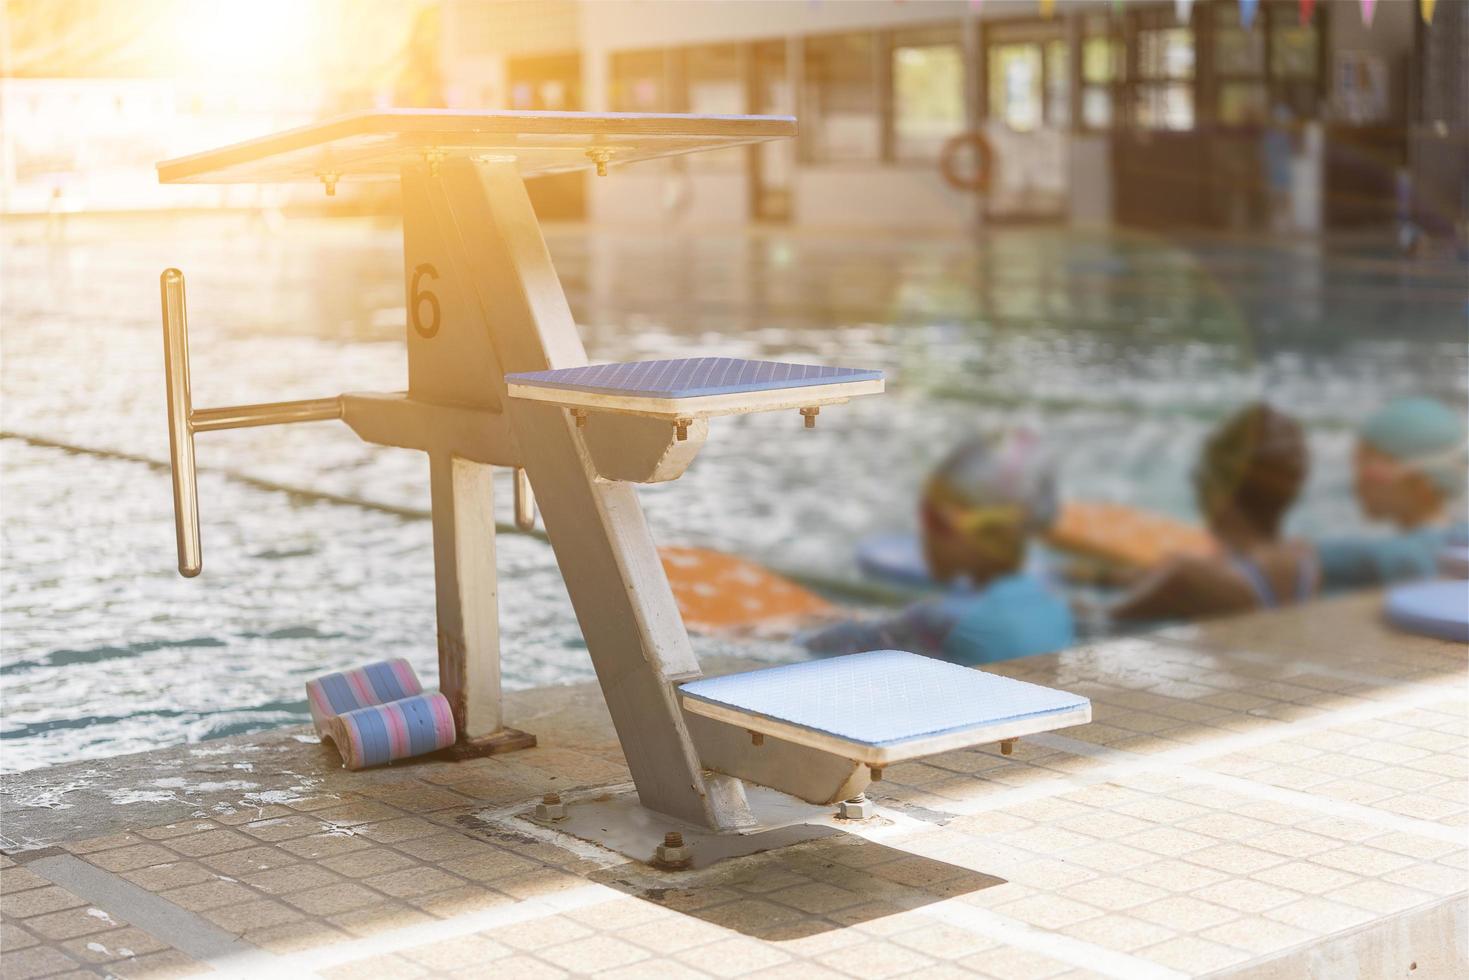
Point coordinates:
pixel 180 433
pixel 183 421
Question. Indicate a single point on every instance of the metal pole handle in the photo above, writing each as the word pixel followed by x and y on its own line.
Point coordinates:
pixel 183 421
pixel 180 433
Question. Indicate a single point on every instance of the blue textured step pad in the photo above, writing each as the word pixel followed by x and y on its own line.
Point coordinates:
pixel 883 698
pixel 1439 609
pixel 690 377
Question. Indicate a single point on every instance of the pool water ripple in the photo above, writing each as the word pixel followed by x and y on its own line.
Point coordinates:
pixel 1121 350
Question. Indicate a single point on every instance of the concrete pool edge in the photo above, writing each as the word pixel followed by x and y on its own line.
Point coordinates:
pixel 1233 810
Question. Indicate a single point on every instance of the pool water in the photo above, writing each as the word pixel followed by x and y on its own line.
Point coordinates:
pixel 1121 349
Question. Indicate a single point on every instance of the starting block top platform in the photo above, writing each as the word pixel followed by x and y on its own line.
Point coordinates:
pixel 883 707
pixel 694 387
pixel 380 143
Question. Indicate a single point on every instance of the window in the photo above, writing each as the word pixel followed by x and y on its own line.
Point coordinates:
pixel 1029 74
pixel 928 92
pixel 713 75
pixel 841 119
pixel 1103 67
pixel 713 86
pixel 1015 85
pixel 1267 72
pixel 545 82
pixel 1295 63
pixel 640 82
pixel 1165 54
pixel 770 164
pixel 1164 95
pixel 1058 83
pixel 1239 68
pixel 1238 50
pixel 1293 51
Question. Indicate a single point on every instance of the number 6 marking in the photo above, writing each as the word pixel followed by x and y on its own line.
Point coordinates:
pixel 416 300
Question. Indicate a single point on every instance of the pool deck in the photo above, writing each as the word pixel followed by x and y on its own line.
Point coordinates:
pixel 1279 795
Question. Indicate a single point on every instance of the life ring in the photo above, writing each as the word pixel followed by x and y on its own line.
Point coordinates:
pixel 978 179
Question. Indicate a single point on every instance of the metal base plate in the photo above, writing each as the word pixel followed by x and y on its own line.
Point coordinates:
pixel 623 825
pixel 505 740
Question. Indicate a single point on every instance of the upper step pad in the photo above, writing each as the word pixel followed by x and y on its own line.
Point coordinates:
pixel 694 386
pixel 883 707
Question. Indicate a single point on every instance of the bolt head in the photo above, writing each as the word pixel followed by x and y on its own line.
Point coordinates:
pixel 860 808
pixel 551 811
pixel 674 857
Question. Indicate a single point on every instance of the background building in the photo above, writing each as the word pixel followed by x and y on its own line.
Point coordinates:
pixel 1143 113
pixel 1147 113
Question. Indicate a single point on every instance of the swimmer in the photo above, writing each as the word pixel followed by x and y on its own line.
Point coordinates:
pixel 978 511
pixel 1409 471
pixel 1249 474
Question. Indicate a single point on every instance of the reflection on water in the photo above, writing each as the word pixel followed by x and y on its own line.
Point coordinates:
pixel 1121 349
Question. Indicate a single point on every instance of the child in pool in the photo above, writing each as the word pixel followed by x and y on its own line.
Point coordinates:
pixel 1247 477
pixel 1409 471
pixel 978 510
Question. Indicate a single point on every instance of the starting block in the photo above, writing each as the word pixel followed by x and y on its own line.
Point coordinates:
pixel 497 376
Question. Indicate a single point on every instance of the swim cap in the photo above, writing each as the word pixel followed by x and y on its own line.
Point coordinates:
pixel 1004 479
pixel 1256 460
pixel 1425 434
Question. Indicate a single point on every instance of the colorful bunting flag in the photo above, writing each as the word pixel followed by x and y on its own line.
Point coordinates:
pixel 1183 9
pixel 1426 8
pixel 1369 7
pixel 1308 7
pixel 1247 12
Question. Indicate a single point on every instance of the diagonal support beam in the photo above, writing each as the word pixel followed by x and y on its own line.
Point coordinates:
pixel 487 230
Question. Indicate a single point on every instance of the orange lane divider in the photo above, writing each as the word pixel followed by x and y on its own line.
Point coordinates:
pixel 1125 535
pixel 720 593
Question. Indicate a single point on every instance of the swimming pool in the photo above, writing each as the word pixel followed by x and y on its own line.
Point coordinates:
pixel 1121 349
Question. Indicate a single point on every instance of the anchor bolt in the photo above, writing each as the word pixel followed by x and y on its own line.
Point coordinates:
pixel 858 807
pixel 580 414
pixel 681 428
pixel 329 181
pixel 673 853
pixel 551 807
pixel 600 158
pixel 810 415
pixel 1007 746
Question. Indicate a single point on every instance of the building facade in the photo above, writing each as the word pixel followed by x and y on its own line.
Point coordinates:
pixel 1140 113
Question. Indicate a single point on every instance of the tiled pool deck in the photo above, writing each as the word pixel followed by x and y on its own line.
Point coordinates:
pixel 1282 795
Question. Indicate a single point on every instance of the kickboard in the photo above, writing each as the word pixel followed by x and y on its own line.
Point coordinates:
pixel 721 593
pixel 1438 609
pixel 1112 533
pixel 1126 535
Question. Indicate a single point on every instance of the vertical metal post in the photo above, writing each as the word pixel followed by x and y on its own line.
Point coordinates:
pixel 180 434
pixel 450 360
pixel 466 592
